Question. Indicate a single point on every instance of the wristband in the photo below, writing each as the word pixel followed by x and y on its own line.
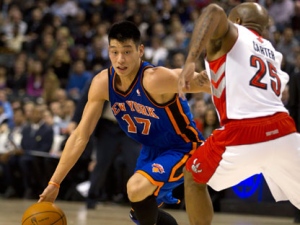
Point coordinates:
pixel 54 183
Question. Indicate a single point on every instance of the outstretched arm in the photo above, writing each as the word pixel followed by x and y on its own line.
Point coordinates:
pixel 211 27
pixel 162 80
pixel 78 139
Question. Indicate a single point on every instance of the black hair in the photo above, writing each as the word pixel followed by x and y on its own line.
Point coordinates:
pixel 123 31
pixel 20 109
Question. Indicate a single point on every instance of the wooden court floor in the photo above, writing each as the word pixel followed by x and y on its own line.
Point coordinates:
pixel 111 214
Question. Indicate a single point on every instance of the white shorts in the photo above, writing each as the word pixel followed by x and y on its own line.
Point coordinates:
pixel 278 160
pixel 243 148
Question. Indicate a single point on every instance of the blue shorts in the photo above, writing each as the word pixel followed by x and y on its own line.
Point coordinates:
pixel 163 168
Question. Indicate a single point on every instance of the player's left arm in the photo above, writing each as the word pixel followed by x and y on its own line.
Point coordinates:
pixel 162 80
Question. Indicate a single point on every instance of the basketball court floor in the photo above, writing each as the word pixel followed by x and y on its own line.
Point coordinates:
pixel 111 214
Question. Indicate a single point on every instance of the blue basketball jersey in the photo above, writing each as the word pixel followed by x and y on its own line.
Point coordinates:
pixel 147 122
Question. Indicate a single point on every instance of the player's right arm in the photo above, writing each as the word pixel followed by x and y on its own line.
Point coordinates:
pixel 77 141
pixel 214 33
pixel 210 32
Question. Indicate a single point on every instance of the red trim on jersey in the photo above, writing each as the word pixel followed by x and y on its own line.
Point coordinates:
pixel 220 103
pixel 215 64
pixel 255 32
pixel 259 37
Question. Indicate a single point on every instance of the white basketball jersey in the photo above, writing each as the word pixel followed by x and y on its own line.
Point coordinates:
pixel 247 82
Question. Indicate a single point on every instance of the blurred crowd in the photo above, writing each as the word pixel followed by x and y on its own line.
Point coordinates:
pixel 51 49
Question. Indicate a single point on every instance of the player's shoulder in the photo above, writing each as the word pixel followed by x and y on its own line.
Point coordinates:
pixel 99 84
pixel 101 78
pixel 153 76
pixel 102 75
pixel 156 71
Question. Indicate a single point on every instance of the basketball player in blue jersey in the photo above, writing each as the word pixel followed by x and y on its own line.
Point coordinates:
pixel 145 102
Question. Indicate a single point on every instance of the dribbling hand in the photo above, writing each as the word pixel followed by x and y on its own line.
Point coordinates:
pixel 49 194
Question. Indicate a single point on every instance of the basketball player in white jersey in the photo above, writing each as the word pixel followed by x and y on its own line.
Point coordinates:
pixel 257 135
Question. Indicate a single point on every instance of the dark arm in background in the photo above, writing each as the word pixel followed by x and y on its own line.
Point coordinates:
pixel 294 99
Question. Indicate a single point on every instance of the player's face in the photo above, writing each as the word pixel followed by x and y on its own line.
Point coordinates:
pixel 125 57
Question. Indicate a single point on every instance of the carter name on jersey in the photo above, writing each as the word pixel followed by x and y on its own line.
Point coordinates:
pixel 265 51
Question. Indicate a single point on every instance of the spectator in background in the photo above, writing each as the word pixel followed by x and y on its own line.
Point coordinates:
pixel 96 22
pixel 35 79
pixel 51 84
pixel 80 18
pixel 156 53
pixel 58 137
pixel 35 24
pixel 67 111
pixel 288 45
pixel 5 5
pixel 63 35
pixel 56 110
pixel 7 108
pixel 15 135
pixel 82 35
pixel 3 77
pixel 65 9
pixel 294 93
pixel 176 37
pixel 15 23
pixel 137 18
pixel 60 62
pixel 80 53
pixel 101 32
pixel 199 108
pixel 57 22
pixel 37 136
pixel 281 11
pixel 16 103
pixel 166 10
pixel 190 22
pixel 77 80
pixel 16 80
pixel 10 159
pixel 210 122
pixel 175 59
pixel 3 118
pixel 131 8
pixel 60 95
pixel 28 109
pixel 15 41
pixel 295 20
pixel 98 51
pixel 46 45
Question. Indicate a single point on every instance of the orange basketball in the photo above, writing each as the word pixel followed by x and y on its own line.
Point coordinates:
pixel 44 213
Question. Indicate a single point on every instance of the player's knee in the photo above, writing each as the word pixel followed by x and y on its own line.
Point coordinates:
pixel 138 188
pixel 133 193
pixel 135 190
